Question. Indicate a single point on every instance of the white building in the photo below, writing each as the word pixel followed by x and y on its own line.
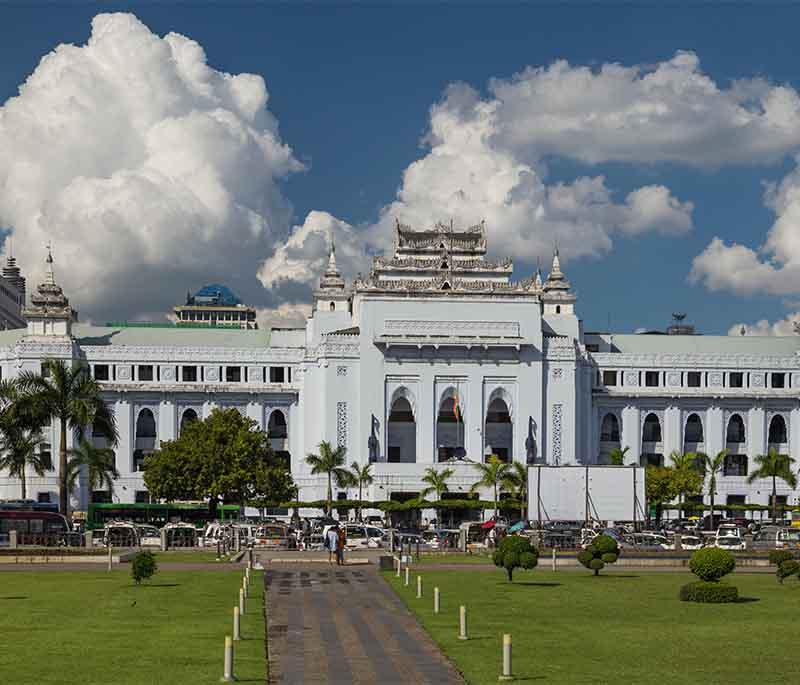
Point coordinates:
pixel 436 355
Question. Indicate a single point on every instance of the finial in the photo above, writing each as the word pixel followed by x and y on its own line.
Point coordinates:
pixel 51 278
pixel 332 256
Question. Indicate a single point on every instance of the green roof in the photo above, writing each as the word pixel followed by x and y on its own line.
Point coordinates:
pixel 769 346
pixel 169 336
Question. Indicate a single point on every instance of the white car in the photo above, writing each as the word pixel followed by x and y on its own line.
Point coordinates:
pixel 730 543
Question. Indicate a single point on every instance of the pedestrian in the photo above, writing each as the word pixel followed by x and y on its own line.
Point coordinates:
pixel 340 543
pixel 331 542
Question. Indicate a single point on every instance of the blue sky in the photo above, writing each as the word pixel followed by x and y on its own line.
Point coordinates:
pixel 351 88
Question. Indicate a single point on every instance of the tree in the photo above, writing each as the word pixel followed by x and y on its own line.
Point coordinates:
pixel 20 449
pixel 360 476
pixel 773 465
pixel 436 482
pixel 99 463
pixel 71 396
pixel 516 482
pixel 660 487
pixel 617 456
pixel 687 476
pixel 492 475
pixel 330 461
pixel 602 550
pixel 143 566
pixel 712 466
pixel 225 456
pixel 515 551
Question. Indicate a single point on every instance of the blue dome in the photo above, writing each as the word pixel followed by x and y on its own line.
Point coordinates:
pixel 216 293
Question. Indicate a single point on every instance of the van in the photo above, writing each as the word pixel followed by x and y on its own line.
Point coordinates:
pixel 773 537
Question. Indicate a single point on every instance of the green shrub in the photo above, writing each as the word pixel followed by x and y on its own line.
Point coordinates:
pixel 709 592
pixel 778 556
pixel 515 552
pixel 788 567
pixel 711 564
pixel 143 566
pixel 603 550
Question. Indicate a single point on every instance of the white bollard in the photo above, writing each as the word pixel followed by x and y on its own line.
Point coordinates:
pixel 436 600
pixel 227 674
pixel 554 558
pixel 398 567
pixel 236 625
pixel 506 675
pixel 405 582
pixel 244 587
pixel 462 622
pixel 241 602
pixel 109 553
pixel 419 587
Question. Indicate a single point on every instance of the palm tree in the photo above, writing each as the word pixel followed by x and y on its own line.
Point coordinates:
pixel 712 466
pixel 774 465
pixel 360 476
pixel 516 481
pixel 72 397
pixel 617 456
pixel 99 463
pixel 20 448
pixel 492 475
pixel 330 461
pixel 688 481
pixel 437 482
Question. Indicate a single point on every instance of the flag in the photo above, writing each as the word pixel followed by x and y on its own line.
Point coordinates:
pixel 456 408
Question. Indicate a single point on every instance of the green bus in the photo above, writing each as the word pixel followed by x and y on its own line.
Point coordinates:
pixel 159 515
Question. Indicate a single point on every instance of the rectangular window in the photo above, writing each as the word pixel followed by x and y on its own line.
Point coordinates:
pixel 651 379
pixel 233 374
pixel 393 455
pixel 144 372
pixel 609 378
pixel 101 372
pixel 189 374
pixel 276 374
pixel 736 379
pixel 288 374
pixel 142 497
pixel 778 380
pixel 693 379
pixel 43 498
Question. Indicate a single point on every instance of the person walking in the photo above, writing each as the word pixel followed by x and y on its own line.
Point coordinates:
pixel 340 543
pixel 332 543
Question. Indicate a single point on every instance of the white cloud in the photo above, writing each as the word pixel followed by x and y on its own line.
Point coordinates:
pixel 763 327
pixel 149 170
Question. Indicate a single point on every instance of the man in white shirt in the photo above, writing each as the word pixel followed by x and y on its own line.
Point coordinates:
pixel 332 540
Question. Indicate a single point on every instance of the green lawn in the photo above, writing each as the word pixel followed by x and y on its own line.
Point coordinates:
pixel 454 558
pixel 625 626
pixel 95 627
pixel 189 556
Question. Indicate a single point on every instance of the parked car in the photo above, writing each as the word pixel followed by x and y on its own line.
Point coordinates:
pixel 149 536
pixel 690 542
pixel 773 537
pixel 363 537
pixel 731 543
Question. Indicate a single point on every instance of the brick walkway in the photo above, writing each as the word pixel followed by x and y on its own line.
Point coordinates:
pixel 345 625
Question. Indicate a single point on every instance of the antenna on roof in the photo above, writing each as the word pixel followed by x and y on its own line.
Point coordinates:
pixel 678 316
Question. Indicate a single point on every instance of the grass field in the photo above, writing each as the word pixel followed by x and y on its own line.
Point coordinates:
pixel 620 627
pixel 189 556
pixel 454 558
pixel 94 627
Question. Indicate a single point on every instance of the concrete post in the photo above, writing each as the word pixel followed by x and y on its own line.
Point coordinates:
pixel 554 558
pixel 244 587
pixel 237 541
pixel 462 622
pixel 398 567
pixel 109 554
pixel 419 587
pixel 164 541
pixel 241 602
pixel 678 545
pixel 506 658
pixel 236 624
pixel 436 600
pixel 405 580
pixel 12 539
pixel 227 674
pixel 87 539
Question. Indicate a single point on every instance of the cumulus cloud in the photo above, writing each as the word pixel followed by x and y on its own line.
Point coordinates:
pixel 149 170
pixel 763 327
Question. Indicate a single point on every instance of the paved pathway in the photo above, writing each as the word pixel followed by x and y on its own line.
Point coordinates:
pixel 345 625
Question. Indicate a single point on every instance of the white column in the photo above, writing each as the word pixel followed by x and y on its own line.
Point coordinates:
pixel 631 433
pixel 714 431
pixel 672 431
pixel 756 432
pixel 167 423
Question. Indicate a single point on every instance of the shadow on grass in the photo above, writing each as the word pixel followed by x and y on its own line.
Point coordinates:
pixel 143 585
pixel 14 597
pixel 534 583
pixel 746 600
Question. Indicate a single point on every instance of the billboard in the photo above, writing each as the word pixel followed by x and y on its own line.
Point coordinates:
pixel 580 493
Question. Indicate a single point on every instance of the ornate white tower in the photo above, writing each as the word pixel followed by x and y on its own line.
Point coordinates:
pixel 50 314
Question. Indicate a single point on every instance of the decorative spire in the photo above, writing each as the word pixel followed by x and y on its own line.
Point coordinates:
pixel 555 270
pixel 51 277
pixel 537 281
pixel 332 278
pixel 556 280
pixel 332 258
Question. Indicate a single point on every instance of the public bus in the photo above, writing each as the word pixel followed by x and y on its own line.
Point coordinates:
pixel 159 515
pixel 34 527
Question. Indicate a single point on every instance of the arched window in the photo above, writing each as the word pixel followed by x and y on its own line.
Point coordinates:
pixel 333 306
pixel 609 429
pixel 276 426
pixel 777 431
pixel 693 432
pixel 652 429
pixel 402 437
pixel 145 437
pixel 498 435
pixel 450 429
pixel 735 432
pixel 558 309
pixel 188 417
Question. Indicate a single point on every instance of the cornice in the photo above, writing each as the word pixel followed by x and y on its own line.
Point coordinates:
pixel 694 360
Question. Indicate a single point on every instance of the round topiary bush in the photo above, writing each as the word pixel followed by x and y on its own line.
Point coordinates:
pixel 143 566
pixel 603 550
pixel 515 552
pixel 711 564
pixel 778 556
pixel 709 592
pixel 787 568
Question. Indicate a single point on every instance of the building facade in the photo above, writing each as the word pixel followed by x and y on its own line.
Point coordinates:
pixel 437 355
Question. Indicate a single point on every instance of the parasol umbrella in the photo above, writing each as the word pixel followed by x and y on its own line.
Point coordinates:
pixel 519 525
pixel 487 525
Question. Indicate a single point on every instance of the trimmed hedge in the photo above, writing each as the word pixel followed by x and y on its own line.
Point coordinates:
pixel 711 563
pixel 778 556
pixel 708 592
pixel 787 568
pixel 603 550
pixel 513 552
